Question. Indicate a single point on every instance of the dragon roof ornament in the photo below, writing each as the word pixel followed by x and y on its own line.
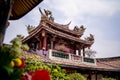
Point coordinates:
pixel 90 38
pixel 81 29
pixel 46 17
pixel 47 14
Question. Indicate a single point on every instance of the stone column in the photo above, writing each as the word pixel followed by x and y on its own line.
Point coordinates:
pixel 52 41
pixel 51 44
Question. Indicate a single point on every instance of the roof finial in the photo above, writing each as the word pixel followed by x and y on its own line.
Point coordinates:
pixel 82 28
pixel 48 12
pixel 90 38
pixel 69 23
pixel 41 11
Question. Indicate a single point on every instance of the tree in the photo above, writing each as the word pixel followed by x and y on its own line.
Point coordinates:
pixel 33 63
pixel 90 53
pixel 108 79
pixel 11 61
pixel 76 76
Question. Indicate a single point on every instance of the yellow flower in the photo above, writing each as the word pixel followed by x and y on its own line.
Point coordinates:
pixel 38 57
pixel 12 64
pixel 30 57
pixel 18 62
pixel 23 74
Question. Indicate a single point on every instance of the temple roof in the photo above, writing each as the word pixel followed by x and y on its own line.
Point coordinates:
pixel 64 28
pixel 55 32
pixel 47 17
pixel 60 30
pixel 112 65
pixel 111 61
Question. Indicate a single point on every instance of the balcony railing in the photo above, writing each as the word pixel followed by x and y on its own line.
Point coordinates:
pixel 89 60
pixel 58 55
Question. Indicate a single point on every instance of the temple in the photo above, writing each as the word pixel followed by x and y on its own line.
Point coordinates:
pixel 54 38
pixel 57 43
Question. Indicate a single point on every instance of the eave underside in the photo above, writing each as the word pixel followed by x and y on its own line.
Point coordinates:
pixel 22 7
pixel 49 30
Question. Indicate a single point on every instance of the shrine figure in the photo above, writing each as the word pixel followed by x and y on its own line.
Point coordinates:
pixel 76 28
pixel 90 38
pixel 82 28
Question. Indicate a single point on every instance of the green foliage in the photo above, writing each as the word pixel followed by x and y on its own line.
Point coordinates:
pixel 31 65
pixel 108 79
pixel 76 76
pixel 55 71
pixel 25 47
pixel 7 54
pixel 7 72
pixel 17 47
pixel 58 74
pixel 16 74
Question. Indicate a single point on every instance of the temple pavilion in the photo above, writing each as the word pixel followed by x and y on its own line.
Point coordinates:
pixel 57 43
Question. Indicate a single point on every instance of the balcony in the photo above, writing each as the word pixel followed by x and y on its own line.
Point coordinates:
pixel 67 57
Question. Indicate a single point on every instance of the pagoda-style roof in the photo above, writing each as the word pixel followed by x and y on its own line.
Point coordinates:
pixel 55 32
pixel 60 30
pixel 64 28
pixel 49 20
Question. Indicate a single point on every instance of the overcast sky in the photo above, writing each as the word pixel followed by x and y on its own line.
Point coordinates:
pixel 100 17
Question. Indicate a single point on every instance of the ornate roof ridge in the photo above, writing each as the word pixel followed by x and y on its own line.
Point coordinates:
pixel 64 28
pixel 33 32
pixel 46 16
pixel 69 36
pixel 64 25
pixel 39 28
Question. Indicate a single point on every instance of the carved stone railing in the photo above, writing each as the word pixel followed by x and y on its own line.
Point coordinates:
pixel 89 60
pixel 76 58
pixel 62 56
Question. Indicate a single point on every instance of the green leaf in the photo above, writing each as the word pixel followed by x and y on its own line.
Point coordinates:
pixel 8 70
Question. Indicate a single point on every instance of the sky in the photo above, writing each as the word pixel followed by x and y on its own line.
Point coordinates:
pixel 100 18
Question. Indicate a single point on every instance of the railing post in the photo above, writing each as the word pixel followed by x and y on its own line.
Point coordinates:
pixel 50 53
pixel 82 60
pixel 95 61
pixel 70 56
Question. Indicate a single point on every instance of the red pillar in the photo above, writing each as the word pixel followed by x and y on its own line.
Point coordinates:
pixel 40 44
pixel 45 42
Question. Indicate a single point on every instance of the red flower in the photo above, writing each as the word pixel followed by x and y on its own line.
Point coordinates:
pixel 23 64
pixel 41 75
pixel 30 73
